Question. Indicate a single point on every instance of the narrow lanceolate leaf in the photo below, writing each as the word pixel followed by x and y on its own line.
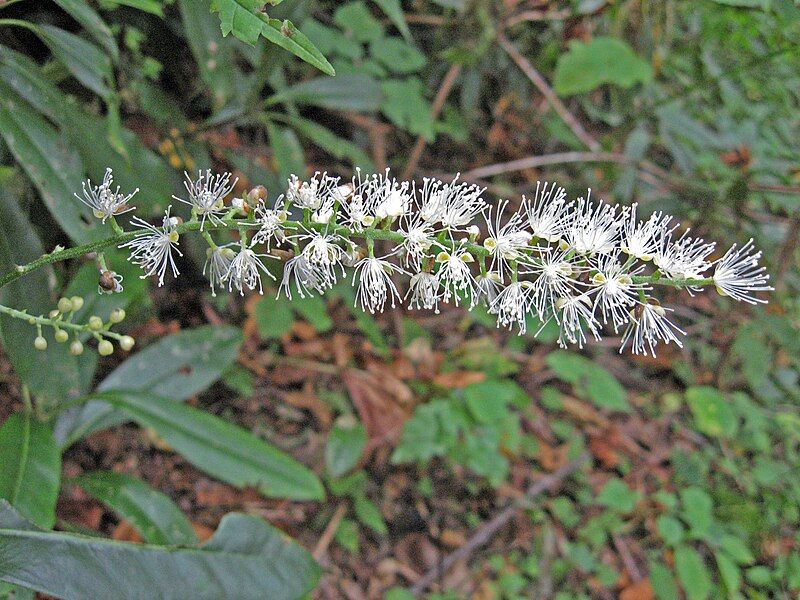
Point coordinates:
pixel 85 61
pixel 245 559
pixel 54 169
pixel 394 11
pixel 219 448
pixel 152 513
pixel 31 468
pixel 94 25
pixel 178 366
pixel 245 20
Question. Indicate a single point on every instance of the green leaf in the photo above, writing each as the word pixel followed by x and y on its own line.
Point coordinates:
pixel 488 401
pixel 670 530
pixel 357 21
pixel 692 573
pixel 618 496
pixel 404 104
pixel 54 168
pixel 347 535
pixel 152 513
pixel 93 23
pixel 31 471
pixel 370 515
pixel 590 380
pixel 326 139
pixel 245 20
pixel 357 92
pixel 246 558
pixel 602 60
pixel 394 11
pixel 697 511
pixel 314 310
pixel 84 60
pixel 737 549
pixel 180 365
pixel 398 56
pixel 729 573
pixel 663 582
pixel 286 150
pixel 221 449
pixel 346 442
pixel 713 414
pixel 274 318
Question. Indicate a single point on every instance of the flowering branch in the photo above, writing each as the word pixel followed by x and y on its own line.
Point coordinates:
pixel 587 265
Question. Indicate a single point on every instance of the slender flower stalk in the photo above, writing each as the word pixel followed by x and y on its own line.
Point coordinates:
pixel 586 265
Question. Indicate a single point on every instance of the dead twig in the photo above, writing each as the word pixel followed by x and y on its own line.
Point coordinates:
pixel 537 15
pixel 786 253
pixel 436 108
pixel 327 536
pixel 541 84
pixel 488 530
pixel 532 162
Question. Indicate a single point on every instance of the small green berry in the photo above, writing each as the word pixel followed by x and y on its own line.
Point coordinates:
pixel 95 323
pixel 126 343
pixel 65 305
pixel 117 316
pixel 61 336
pixel 40 343
pixel 105 348
pixel 77 302
pixel 76 348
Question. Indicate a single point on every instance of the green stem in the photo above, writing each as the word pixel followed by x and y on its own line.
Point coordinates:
pixel 370 235
pixel 55 323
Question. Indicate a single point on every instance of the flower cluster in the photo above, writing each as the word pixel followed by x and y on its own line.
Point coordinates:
pixel 584 264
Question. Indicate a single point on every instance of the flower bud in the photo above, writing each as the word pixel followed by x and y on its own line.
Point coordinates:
pixel 126 343
pixel 53 313
pixel 76 348
pixel 117 316
pixel 65 305
pixel 40 343
pixel 61 336
pixel 105 348
pixel 95 323
pixel 256 195
pixel 77 302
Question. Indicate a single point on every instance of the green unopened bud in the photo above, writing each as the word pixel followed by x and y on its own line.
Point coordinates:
pixel 95 323
pixel 65 305
pixel 61 336
pixel 76 348
pixel 126 343
pixel 77 302
pixel 40 343
pixel 117 316
pixel 54 313
pixel 105 348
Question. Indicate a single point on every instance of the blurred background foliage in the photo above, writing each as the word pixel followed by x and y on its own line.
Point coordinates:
pixel 423 427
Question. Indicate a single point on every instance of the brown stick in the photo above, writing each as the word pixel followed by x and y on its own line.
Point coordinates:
pixel 537 15
pixel 436 108
pixel 531 162
pixel 541 84
pixel 488 530
pixel 327 536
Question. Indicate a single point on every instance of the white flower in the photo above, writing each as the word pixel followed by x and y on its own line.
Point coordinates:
pixel 455 277
pixel 417 239
pixel 573 315
pixel 642 239
pixel 505 242
pixel 306 277
pixel 271 222
pixel 512 306
pixel 454 204
pixel 593 227
pixel 556 278
pixel 152 247
pixel 375 285
pixel 218 262
pixel 547 212
pixel 324 255
pixel 738 275
pixel 390 198
pixel 687 258
pixel 487 288
pixel 311 194
pixel 616 291
pixel 207 195
pixel 649 325
pixel 104 201
pixel 423 291
pixel 245 271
